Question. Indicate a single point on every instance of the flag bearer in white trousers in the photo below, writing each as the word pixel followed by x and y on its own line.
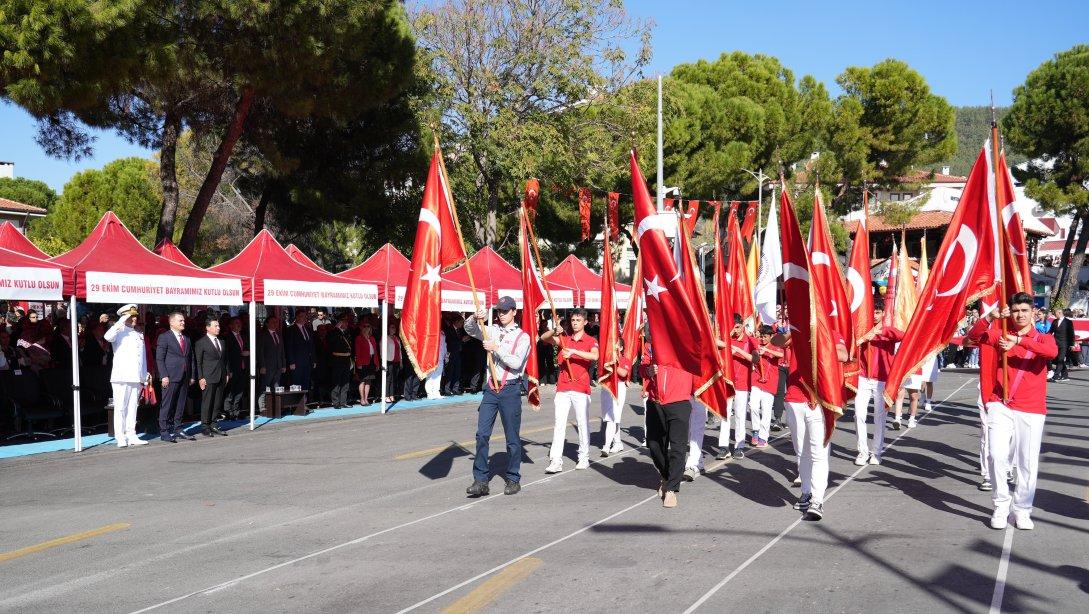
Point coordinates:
pixel 577 351
pixel 129 375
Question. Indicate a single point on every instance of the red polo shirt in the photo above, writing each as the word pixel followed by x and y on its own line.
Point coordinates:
pixel 742 369
pixel 768 377
pixel 1027 362
pixel 877 354
pixel 669 385
pixel 577 377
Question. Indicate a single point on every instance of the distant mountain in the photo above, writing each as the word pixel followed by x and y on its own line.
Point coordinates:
pixel 974 127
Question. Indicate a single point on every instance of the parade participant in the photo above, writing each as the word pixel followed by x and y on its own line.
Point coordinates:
pixel 128 376
pixel 668 408
pixel 806 421
pixel 174 362
pixel 765 384
pixel 1016 408
pixel 508 347
pixel 577 349
pixel 340 361
pixel 930 378
pixel 613 409
pixel 741 347
pixel 212 376
pixel 876 354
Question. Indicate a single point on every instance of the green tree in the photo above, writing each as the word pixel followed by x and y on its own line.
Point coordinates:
pixel 1049 123
pixel 27 191
pixel 127 186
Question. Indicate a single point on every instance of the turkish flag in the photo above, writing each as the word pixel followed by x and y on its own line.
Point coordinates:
pixel 675 325
pixel 691 215
pixel 748 226
pixel 812 336
pixel 1016 274
pixel 965 269
pixel 859 278
pixel 737 270
pixel 533 294
pixel 724 306
pixel 613 215
pixel 826 275
pixel 631 334
pixel 438 245
pixel 608 337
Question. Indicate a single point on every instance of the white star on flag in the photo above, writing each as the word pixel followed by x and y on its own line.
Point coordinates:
pixel 653 288
pixel 432 276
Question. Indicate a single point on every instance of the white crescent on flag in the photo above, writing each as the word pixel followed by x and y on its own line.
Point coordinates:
pixel 968 244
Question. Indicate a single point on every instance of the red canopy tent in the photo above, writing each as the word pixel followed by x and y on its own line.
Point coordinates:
pixel 25 278
pixel 388 269
pixel 12 239
pixel 168 250
pixel 299 256
pixel 573 273
pixel 496 277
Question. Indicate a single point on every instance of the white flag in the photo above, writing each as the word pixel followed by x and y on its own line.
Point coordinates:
pixel 766 294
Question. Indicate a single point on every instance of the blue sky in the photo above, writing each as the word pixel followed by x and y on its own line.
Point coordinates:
pixel 964 48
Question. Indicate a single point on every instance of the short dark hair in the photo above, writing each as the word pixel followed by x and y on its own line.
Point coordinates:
pixel 209 321
pixel 1021 298
pixel 579 312
pixel 737 318
pixel 1068 312
pixel 879 304
pixel 170 315
pixel 766 329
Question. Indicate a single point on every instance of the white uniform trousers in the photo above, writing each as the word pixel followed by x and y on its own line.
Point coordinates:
pixel 807 431
pixel 1019 433
pixel 868 389
pixel 433 382
pixel 126 398
pixel 611 412
pixel 735 417
pixel 984 446
pixel 697 423
pixel 565 402
pixel 761 403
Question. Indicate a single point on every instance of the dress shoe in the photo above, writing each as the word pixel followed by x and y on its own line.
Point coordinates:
pixel 207 433
pixel 512 488
pixel 184 435
pixel 477 489
pixel 216 430
pixel 169 439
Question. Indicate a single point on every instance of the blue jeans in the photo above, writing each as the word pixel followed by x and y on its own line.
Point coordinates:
pixel 507 403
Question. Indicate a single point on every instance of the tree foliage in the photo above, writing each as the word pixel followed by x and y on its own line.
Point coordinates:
pixel 27 191
pixel 127 186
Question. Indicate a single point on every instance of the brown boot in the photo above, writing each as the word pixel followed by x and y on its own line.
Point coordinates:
pixel 670 499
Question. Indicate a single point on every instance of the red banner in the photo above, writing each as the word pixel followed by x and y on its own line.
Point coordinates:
pixel 533 193
pixel 533 294
pixel 614 216
pixel 584 212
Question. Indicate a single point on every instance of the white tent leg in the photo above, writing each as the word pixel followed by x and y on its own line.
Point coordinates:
pixel 253 364
pixel 385 335
pixel 77 419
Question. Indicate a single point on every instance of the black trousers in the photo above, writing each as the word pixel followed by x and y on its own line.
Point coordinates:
pixel 172 406
pixel 667 439
pixel 211 401
pixel 1060 361
pixel 451 375
pixel 341 374
pixel 235 395
pixel 780 394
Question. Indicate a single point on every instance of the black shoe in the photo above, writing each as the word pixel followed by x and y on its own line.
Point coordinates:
pixel 169 439
pixel 803 503
pixel 477 489
pixel 776 426
pixel 184 435
pixel 216 430
pixel 207 433
pixel 739 452
pixel 511 489
pixel 723 453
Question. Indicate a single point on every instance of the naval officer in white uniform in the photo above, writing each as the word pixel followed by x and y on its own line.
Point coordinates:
pixel 129 375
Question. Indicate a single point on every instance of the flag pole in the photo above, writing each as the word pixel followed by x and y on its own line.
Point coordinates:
pixel 661 186
pixel 544 284
pixel 1000 289
pixel 468 267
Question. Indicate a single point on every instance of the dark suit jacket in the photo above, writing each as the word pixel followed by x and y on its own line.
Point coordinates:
pixel 236 362
pixel 299 350
pixel 270 355
pixel 1063 332
pixel 170 361
pixel 211 363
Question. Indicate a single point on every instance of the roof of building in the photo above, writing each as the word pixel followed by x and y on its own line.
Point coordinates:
pixel 932 177
pixel 6 204
pixel 924 220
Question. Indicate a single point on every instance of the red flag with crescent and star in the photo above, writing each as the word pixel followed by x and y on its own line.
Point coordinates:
pixel 631 335
pixel 812 336
pixel 533 294
pixel 965 269
pixel 437 246
pixel 860 279
pixel 608 338
pixel 826 275
pixel 1016 274
pixel 737 270
pixel 748 225
pixel 675 327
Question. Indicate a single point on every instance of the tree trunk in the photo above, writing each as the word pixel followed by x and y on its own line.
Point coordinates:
pixel 1076 261
pixel 168 175
pixel 262 207
pixel 1060 280
pixel 215 173
pixel 493 210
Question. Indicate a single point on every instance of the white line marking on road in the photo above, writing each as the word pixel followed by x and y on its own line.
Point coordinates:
pixel 528 554
pixel 1003 567
pixel 699 602
pixel 222 585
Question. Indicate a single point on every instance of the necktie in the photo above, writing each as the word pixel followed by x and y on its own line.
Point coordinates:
pixel 215 342
pixel 306 337
pixel 275 339
pixel 181 343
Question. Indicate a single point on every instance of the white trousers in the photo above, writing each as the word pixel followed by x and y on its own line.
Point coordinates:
pixel 1017 433
pixel 984 446
pixel 868 389
pixel 126 397
pixel 761 403
pixel 565 402
pixel 735 417
pixel 611 412
pixel 807 432
pixel 433 382
pixel 697 423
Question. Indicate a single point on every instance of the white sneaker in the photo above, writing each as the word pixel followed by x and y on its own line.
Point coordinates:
pixel 122 444
pixel 555 466
pixel 862 458
pixel 999 519
pixel 137 442
pixel 1022 521
pixel 798 481
pixel 584 463
pixel 875 459
pixel 912 423
pixel 617 448
pixel 928 407
pixel 690 474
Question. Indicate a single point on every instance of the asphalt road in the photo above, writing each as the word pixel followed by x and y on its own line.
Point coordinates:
pixel 368 514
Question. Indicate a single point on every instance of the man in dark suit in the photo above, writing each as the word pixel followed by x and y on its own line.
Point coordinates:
pixel 212 376
pixel 1063 331
pixel 238 365
pixel 299 349
pixel 271 363
pixel 174 361
pixel 340 361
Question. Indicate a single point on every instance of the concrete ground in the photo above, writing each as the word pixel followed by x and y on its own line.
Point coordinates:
pixel 369 514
